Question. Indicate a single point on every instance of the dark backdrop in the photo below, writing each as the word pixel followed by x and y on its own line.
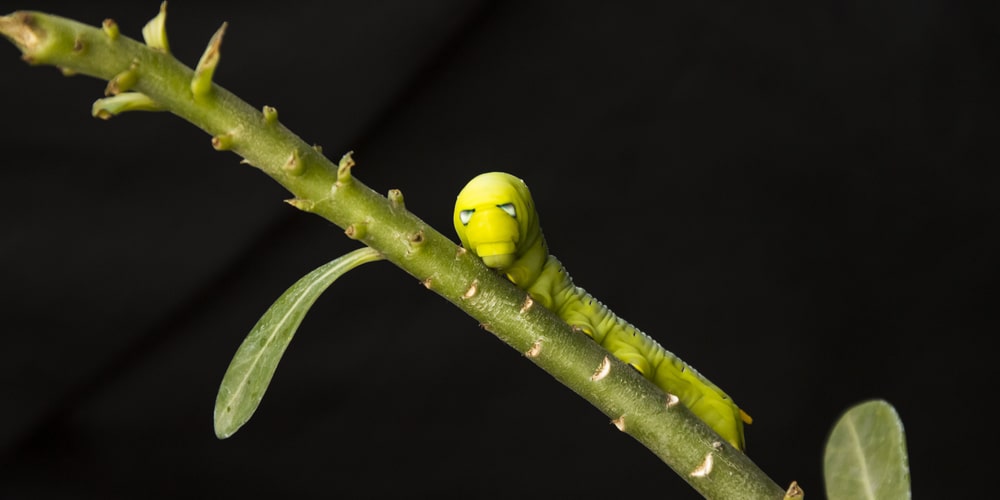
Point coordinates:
pixel 799 199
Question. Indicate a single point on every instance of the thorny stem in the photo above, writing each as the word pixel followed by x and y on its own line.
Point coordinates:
pixel 149 78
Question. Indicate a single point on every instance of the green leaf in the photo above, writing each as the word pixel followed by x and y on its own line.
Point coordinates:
pixel 866 455
pixel 253 366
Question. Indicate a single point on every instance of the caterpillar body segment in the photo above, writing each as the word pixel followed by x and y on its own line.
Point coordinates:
pixel 495 217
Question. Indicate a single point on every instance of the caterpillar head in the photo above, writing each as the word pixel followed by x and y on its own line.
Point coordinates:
pixel 495 219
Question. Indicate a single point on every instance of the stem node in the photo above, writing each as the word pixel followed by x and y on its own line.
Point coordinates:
pixel 294 166
pixel 79 46
pixel 223 142
pixel 357 230
pixel 396 199
pixel 110 28
pixel 124 81
pixel 414 243
pixel 344 168
pixel 270 115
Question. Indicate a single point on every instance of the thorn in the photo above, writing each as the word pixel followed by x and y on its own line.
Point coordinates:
pixel 317 148
pixel 428 283
pixel 619 423
pixel 110 28
pixel 396 198
pixel 201 83
pixel 124 81
pixel 302 204
pixel 294 166
pixel 535 350
pixel 129 101
pixel 66 71
pixel 794 491
pixel 602 370
pixel 460 252
pixel 705 468
pixel 471 292
pixel 223 142
pixel 672 400
pixel 270 115
pixel 155 31
pixel 344 168
pixel 528 303
pixel 357 231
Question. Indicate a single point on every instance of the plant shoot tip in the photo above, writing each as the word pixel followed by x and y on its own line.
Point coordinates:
pixel 20 28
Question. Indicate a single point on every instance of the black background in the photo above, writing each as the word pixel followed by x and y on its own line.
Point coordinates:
pixel 798 198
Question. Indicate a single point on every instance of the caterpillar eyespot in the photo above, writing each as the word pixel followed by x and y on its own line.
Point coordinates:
pixel 495 219
pixel 509 208
pixel 465 216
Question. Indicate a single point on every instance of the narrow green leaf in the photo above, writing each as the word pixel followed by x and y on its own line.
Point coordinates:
pixel 253 366
pixel 866 455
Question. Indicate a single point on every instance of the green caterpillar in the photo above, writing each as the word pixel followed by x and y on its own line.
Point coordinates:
pixel 495 219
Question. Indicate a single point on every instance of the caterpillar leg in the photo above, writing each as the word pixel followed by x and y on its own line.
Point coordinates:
pixel 625 353
pixel 719 415
pixel 636 360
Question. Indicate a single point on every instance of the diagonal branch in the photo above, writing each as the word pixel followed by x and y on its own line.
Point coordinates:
pixel 147 77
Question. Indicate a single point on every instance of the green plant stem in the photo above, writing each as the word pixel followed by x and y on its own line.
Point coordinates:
pixel 159 81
